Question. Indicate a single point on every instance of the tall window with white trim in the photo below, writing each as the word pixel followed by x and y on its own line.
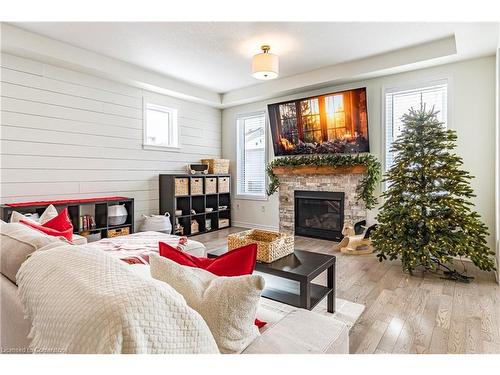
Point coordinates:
pixel 160 127
pixel 251 156
pixel 399 101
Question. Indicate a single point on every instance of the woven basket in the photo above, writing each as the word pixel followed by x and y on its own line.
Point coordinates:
pixel 210 185
pixel 181 186
pixel 197 186
pixel 223 223
pixel 223 184
pixel 217 165
pixel 270 245
pixel 118 232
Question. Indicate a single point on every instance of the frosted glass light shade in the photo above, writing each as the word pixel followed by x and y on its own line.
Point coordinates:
pixel 265 66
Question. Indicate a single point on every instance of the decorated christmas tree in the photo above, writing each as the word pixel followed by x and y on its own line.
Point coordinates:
pixel 427 218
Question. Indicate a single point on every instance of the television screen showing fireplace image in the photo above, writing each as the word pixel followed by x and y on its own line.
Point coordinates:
pixel 325 124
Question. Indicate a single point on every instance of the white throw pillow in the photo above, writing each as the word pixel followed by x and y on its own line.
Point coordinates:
pixel 16 217
pixel 17 242
pixel 228 304
pixel 49 213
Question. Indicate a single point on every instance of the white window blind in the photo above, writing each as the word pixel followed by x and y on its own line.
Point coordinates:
pixel 160 126
pixel 251 163
pixel 399 102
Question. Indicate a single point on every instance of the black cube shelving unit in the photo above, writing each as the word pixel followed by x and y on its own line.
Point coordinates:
pixel 170 202
pixel 98 208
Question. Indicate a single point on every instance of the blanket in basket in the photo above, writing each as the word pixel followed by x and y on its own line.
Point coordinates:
pixel 81 300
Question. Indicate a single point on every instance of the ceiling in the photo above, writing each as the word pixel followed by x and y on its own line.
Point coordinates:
pixel 217 55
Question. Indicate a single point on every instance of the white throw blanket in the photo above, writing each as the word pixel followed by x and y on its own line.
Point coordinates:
pixel 135 247
pixel 81 300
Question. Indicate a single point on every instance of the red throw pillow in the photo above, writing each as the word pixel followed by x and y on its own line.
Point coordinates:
pixel 59 226
pixel 259 323
pixel 236 262
pixel 61 222
pixel 233 263
pixel 68 233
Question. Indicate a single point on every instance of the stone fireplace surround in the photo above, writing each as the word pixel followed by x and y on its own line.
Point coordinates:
pixel 321 181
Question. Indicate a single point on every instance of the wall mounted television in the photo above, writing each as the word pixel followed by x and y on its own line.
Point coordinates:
pixel 324 124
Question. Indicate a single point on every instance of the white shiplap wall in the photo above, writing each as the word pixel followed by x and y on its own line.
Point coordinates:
pixel 66 134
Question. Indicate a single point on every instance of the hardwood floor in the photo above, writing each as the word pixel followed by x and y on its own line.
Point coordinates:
pixel 408 314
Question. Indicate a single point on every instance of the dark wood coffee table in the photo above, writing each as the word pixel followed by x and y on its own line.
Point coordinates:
pixel 302 266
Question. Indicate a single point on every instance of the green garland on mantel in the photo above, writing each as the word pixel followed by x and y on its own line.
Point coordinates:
pixel 366 187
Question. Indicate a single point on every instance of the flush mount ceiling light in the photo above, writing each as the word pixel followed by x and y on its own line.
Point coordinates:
pixel 265 65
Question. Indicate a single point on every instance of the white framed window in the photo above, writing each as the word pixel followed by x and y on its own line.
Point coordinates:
pixel 251 156
pixel 398 102
pixel 160 127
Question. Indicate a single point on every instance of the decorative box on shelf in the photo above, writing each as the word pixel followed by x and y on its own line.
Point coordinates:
pixel 270 245
pixel 216 166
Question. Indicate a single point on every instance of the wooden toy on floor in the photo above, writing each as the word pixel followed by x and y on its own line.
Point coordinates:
pixel 356 239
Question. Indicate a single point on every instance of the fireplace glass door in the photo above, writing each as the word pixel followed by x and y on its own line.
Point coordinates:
pixel 319 214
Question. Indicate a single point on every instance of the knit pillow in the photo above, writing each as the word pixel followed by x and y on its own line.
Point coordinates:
pixel 227 304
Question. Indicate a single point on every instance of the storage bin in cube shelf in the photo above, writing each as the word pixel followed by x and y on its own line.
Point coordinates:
pixel 210 185
pixel 181 186
pixel 197 186
pixel 223 184
pixel 117 214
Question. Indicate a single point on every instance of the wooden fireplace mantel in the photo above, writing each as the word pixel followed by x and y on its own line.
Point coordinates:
pixel 313 169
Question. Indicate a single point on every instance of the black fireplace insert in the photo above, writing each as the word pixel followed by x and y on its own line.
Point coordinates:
pixel 319 214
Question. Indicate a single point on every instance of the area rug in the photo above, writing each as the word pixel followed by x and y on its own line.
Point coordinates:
pixel 345 311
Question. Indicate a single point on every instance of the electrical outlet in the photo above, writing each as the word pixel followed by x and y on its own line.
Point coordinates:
pixel 263 208
pixel 237 206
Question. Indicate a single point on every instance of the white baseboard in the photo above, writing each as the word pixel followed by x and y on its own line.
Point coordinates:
pixel 254 226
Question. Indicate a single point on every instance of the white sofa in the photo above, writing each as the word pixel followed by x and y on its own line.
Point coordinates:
pixel 297 331
pixel 289 330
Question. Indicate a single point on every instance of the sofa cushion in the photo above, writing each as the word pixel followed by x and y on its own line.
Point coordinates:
pixel 79 240
pixel 59 226
pixel 18 241
pixel 228 304
pixel 237 262
pixel 301 332
pixel 68 233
